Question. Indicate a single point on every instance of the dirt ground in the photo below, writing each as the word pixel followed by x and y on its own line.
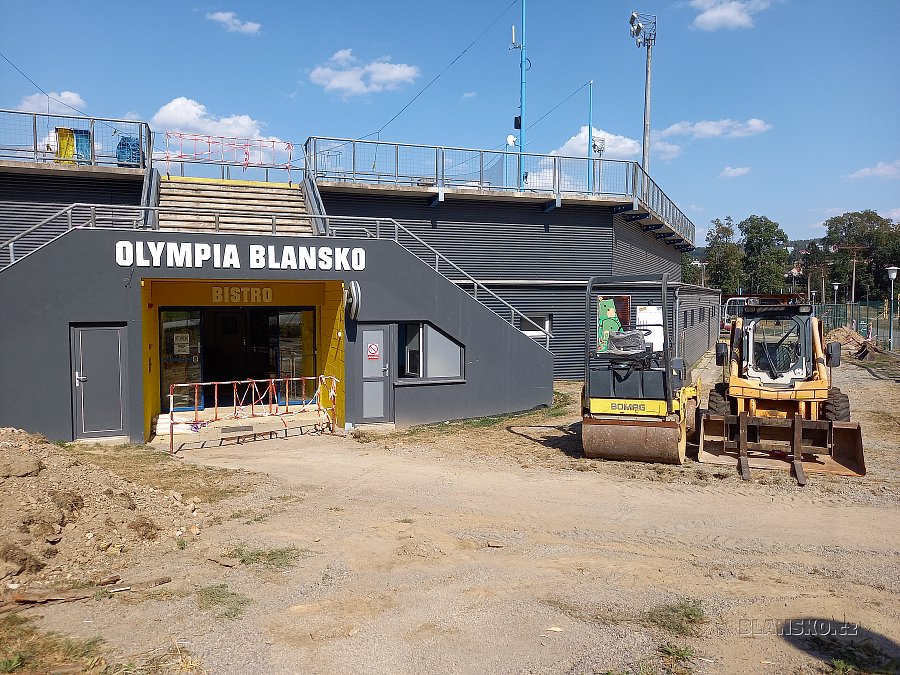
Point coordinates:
pixel 482 546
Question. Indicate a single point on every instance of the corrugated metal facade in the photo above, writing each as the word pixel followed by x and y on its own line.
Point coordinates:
pixel 28 198
pixel 496 240
pixel 698 320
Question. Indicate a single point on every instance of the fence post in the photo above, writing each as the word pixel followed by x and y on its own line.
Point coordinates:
pixel 91 138
pixel 34 131
pixel 93 216
pixel 353 160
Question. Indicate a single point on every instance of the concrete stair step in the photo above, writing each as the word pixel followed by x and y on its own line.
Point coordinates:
pixel 292 230
pixel 250 204
pixel 243 219
pixel 171 185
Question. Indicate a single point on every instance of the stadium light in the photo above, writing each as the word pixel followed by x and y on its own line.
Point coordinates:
pixel 643 30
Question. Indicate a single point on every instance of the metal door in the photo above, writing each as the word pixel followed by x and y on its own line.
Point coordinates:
pixel 98 381
pixel 376 374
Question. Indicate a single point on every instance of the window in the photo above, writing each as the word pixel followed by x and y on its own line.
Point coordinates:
pixel 428 353
pixel 702 314
pixel 542 320
pixel 692 318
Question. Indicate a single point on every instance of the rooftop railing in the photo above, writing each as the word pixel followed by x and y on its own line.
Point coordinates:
pixel 75 140
pixel 382 163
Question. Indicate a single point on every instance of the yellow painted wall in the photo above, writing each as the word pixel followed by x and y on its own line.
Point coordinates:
pixel 325 296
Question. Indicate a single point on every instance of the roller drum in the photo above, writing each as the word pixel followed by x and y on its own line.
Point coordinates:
pixel 659 441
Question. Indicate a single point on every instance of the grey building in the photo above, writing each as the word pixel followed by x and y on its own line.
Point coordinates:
pixel 436 284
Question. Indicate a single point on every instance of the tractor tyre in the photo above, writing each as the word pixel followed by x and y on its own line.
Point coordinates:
pixel 718 400
pixel 837 407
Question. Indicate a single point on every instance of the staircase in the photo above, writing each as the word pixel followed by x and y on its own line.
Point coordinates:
pixel 232 206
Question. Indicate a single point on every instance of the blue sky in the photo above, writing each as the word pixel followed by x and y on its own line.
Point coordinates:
pixel 783 108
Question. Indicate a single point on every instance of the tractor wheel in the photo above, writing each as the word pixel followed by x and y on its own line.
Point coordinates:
pixel 837 407
pixel 718 400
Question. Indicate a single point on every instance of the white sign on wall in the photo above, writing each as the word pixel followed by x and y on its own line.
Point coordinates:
pixel 651 317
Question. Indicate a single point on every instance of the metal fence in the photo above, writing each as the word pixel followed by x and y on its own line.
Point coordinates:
pixel 70 139
pixel 869 319
pixel 375 162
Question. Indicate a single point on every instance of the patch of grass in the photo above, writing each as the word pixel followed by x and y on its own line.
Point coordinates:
pixel 258 518
pixel 272 558
pixel 176 659
pixel 227 603
pixel 154 468
pixel 181 543
pixel 854 656
pixel 407 521
pixel 683 617
pixel 560 404
pixel 32 651
pixel 676 659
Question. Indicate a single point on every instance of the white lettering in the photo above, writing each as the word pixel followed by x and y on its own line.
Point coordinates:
pixel 202 253
pixel 307 258
pixel 358 258
pixel 231 260
pixel 217 256
pixel 341 261
pixel 178 255
pixel 257 257
pixel 273 262
pixel 140 258
pixel 124 253
pixel 325 258
pixel 156 251
pixel 288 258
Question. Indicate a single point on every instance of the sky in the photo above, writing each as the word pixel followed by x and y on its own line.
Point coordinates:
pixel 784 108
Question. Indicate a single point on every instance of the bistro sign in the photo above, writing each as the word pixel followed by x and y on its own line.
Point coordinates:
pixel 229 256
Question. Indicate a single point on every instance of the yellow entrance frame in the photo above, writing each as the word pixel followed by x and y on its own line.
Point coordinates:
pixel 327 297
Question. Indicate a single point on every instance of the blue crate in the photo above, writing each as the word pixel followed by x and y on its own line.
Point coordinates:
pixel 128 151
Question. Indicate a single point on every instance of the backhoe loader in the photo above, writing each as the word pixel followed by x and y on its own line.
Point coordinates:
pixel 776 406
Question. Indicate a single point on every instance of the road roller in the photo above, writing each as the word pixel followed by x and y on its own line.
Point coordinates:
pixel 638 402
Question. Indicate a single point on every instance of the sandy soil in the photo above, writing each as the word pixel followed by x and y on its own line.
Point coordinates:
pixel 497 547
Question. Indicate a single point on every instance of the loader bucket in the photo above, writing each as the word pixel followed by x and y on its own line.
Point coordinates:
pixel 652 440
pixel 768 443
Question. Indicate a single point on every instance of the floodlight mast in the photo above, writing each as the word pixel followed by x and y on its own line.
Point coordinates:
pixel 523 61
pixel 643 30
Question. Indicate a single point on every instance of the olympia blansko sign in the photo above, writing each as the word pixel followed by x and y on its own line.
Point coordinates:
pixel 229 256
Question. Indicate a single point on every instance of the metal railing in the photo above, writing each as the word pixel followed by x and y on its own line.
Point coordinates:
pixel 81 216
pixel 870 319
pixel 72 139
pixel 383 163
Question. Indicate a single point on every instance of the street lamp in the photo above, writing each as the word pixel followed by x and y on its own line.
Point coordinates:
pixel 643 30
pixel 835 285
pixel 702 266
pixel 892 274
pixel 813 297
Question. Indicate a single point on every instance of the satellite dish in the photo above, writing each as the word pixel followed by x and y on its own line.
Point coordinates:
pixel 352 299
pixel 511 141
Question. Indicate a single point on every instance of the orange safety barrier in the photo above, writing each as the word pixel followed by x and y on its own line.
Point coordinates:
pixel 258 398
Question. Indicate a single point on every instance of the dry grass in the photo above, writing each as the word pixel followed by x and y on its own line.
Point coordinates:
pixel 272 558
pixel 683 617
pixel 25 650
pixel 154 468
pixel 227 603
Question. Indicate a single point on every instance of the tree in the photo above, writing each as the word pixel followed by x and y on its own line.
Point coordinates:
pixel 725 257
pixel 874 240
pixel 690 273
pixel 765 254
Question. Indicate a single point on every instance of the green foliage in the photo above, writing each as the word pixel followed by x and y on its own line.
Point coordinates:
pixel 875 241
pixel 690 273
pixel 227 603
pixel 725 257
pixel 273 558
pixel 683 617
pixel 765 254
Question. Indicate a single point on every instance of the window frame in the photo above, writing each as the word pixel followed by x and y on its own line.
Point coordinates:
pixel 404 374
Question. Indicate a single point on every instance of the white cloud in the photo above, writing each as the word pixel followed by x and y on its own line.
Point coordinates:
pixel 187 115
pixel 730 14
pixel 887 170
pixel 716 128
pixel 60 106
pixel 470 94
pixel 664 150
pixel 617 147
pixel 343 74
pixel 893 214
pixel 230 22
pixel 695 207
pixel 734 172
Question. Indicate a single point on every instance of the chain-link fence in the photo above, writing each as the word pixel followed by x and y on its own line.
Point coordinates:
pixel 869 319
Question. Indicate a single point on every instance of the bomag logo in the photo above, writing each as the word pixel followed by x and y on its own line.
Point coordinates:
pixel 628 407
